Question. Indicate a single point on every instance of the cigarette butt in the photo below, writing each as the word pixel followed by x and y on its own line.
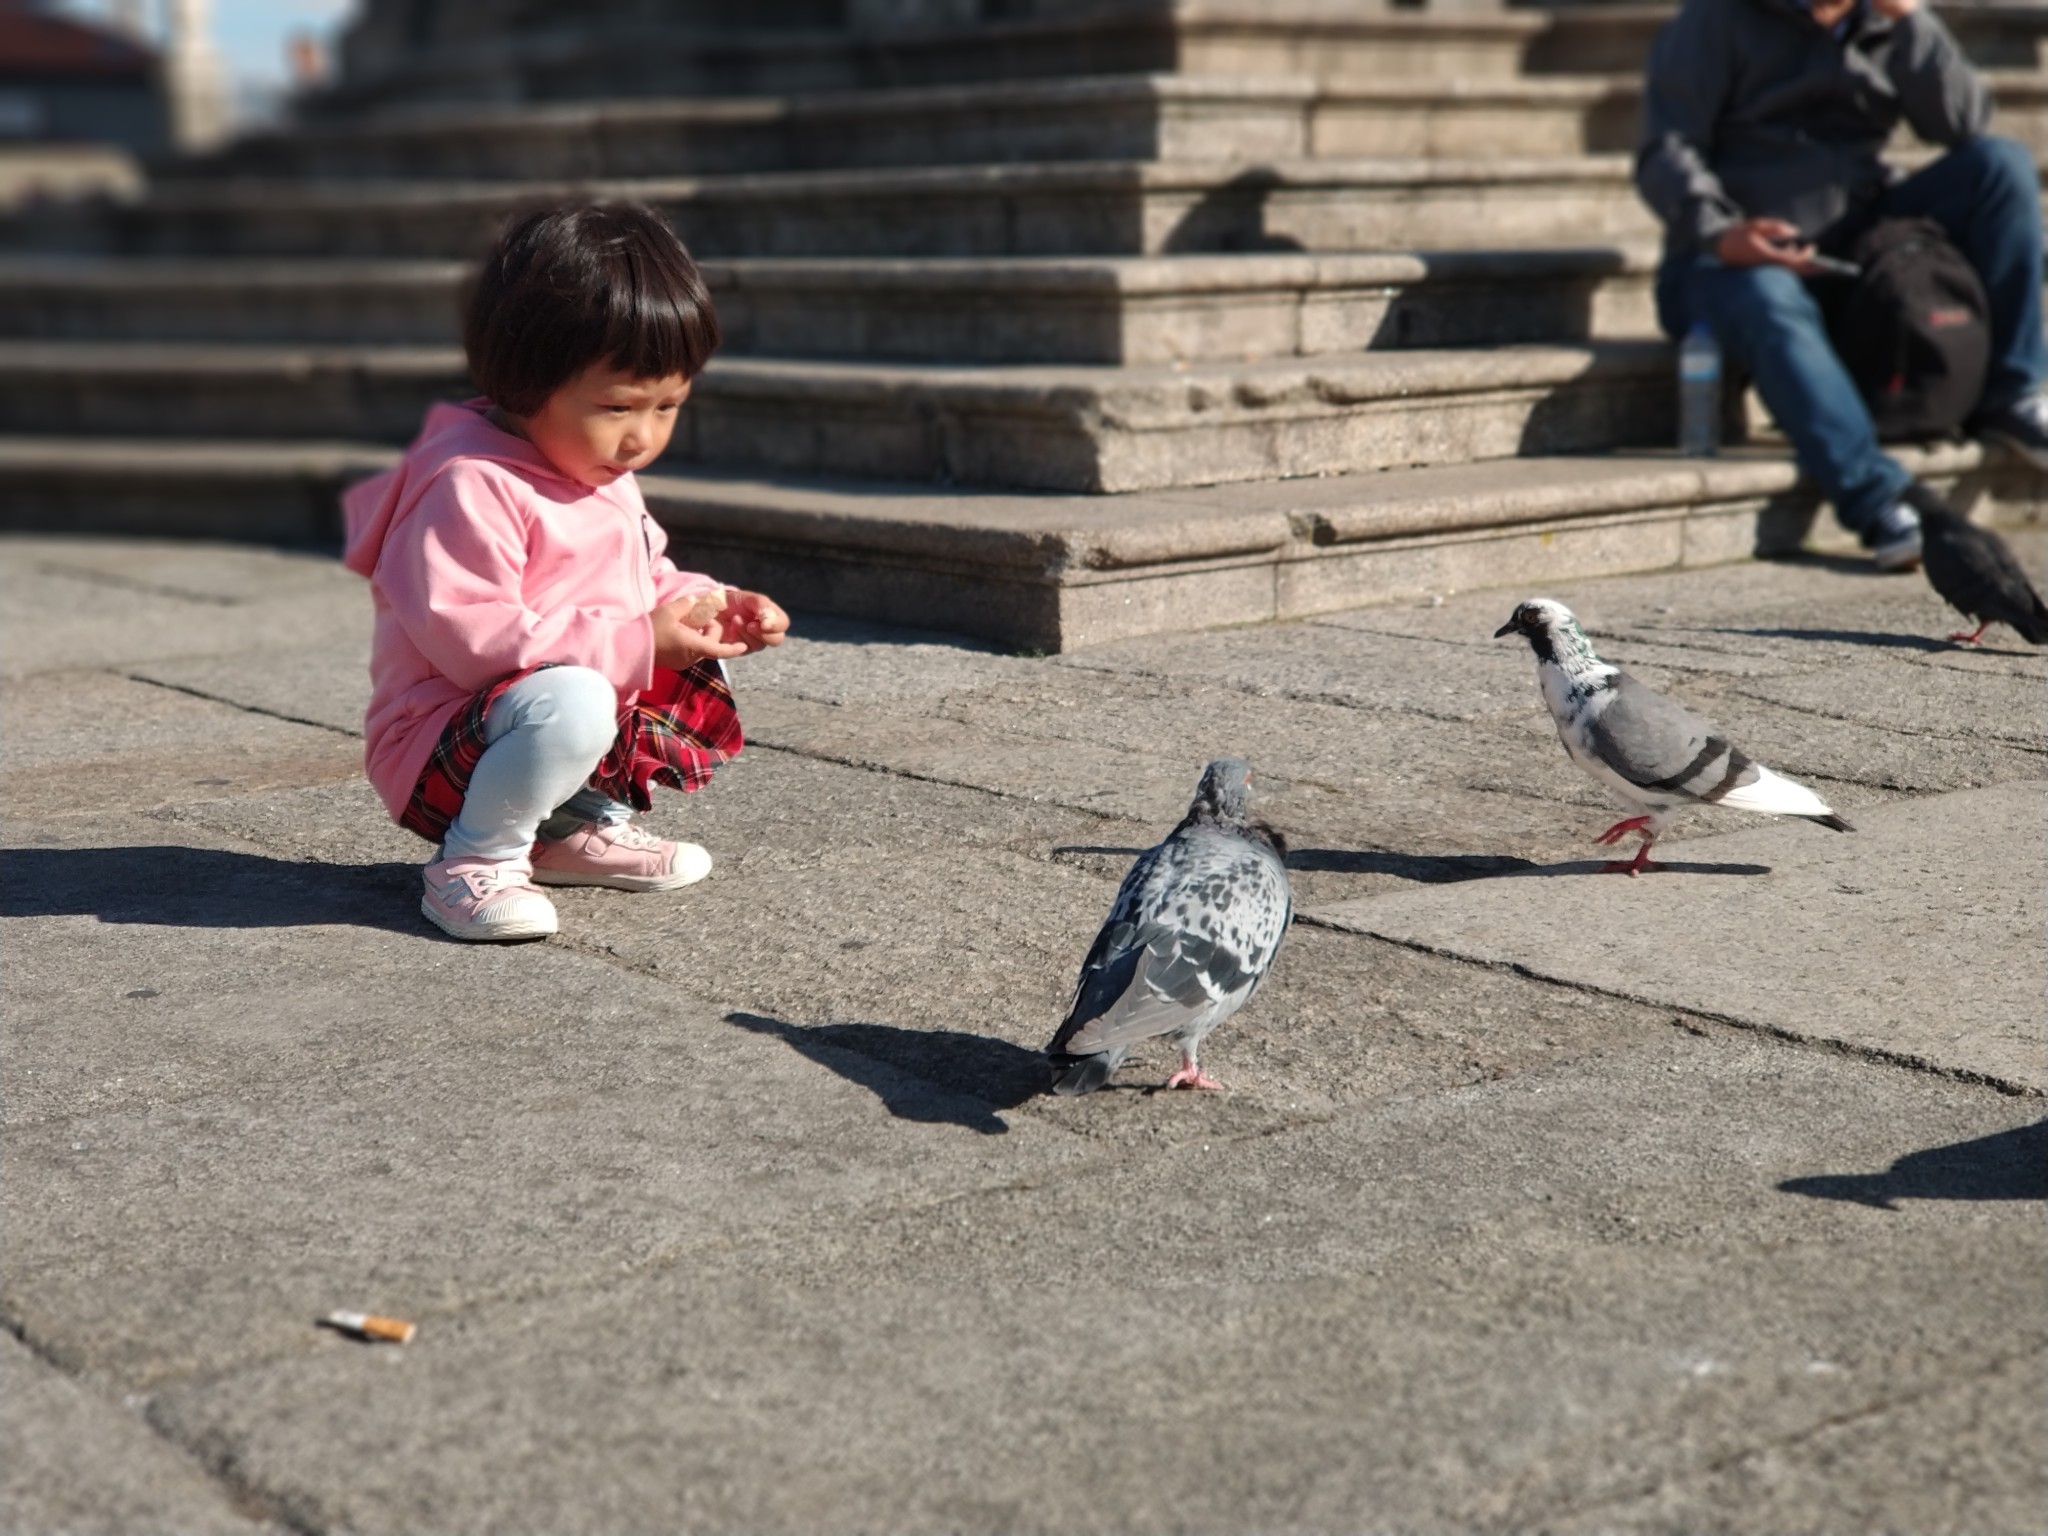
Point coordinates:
pixel 365 1326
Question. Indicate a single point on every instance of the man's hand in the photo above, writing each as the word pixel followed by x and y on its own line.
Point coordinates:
pixel 752 620
pixel 679 643
pixel 1764 242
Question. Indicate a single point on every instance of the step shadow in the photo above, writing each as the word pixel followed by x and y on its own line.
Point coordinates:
pixel 169 886
pixel 1232 217
pixel 2007 1165
pixel 935 1076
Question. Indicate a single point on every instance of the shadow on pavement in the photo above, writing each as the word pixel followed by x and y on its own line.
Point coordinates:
pixel 206 888
pixel 1428 868
pixel 1448 868
pixel 938 1076
pixel 2010 1165
pixel 1874 637
pixel 1654 867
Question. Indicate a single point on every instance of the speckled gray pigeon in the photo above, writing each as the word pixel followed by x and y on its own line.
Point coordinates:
pixel 1192 933
pixel 1650 753
pixel 1976 572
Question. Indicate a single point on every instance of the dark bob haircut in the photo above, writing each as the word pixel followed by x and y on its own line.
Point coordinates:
pixel 576 284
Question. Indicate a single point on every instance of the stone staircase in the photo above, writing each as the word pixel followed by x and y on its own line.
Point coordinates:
pixel 1100 317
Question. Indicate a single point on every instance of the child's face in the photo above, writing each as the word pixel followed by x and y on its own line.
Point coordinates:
pixel 603 423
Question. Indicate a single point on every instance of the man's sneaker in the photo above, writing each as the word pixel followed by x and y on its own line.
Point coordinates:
pixel 2022 426
pixel 620 856
pixel 1894 539
pixel 489 900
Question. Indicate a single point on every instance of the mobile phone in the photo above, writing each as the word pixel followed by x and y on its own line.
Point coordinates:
pixel 1833 266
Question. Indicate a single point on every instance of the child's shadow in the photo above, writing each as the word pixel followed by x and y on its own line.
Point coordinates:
pixel 939 1076
pixel 179 887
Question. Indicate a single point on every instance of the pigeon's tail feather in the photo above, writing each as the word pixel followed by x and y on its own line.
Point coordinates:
pixel 1080 1074
pixel 2033 627
pixel 1832 822
pixel 1775 795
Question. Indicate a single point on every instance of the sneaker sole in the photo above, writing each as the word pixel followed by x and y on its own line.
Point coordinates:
pixel 618 882
pixel 675 880
pixel 492 933
pixel 2033 456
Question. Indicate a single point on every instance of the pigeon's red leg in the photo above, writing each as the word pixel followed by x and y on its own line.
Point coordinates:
pixel 1621 829
pixel 1636 865
pixel 1191 1076
pixel 1971 637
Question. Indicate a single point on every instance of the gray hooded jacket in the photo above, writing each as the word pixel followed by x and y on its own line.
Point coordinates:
pixel 1753 110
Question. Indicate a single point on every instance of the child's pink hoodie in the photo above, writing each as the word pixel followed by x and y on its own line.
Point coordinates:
pixel 484 560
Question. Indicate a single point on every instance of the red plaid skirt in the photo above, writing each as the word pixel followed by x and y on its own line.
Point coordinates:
pixel 676 733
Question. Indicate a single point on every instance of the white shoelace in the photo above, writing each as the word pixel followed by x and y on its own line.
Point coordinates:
pixel 633 837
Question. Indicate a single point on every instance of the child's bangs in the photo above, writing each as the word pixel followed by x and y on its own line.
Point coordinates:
pixel 659 322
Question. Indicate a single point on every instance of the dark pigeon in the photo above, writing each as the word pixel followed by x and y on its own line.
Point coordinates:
pixel 1976 573
pixel 1192 933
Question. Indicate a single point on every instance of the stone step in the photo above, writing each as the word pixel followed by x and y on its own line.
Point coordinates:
pixel 1072 208
pixel 1138 117
pixel 1332 43
pixel 1601 37
pixel 1058 573
pixel 1212 37
pixel 1127 117
pixel 1039 428
pixel 988 310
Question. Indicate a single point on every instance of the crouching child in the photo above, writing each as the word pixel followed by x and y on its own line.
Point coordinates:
pixel 539 663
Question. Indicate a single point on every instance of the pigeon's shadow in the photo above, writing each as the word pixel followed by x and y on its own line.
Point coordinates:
pixel 176 887
pixel 1880 638
pixel 1450 868
pixel 1655 867
pixel 1425 868
pixel 1883 639
pixel 938 1076
pixel 2007 1165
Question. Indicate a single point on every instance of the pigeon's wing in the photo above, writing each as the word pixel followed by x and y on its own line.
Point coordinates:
pixel 1113 957
pixel 1658 745
pixel 1206 928
pixel 1977 573
pixel 1662 748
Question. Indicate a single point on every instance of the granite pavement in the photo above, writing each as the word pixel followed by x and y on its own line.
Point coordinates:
pixel 1538 1199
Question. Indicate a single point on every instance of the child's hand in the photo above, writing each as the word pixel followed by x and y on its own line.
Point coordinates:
pixel 752 620
pixel 688 630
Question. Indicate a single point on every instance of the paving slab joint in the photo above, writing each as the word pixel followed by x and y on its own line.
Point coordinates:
pixel 1850 1049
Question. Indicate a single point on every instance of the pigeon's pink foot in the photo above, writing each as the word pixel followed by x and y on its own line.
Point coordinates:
pixel 1971 638
pixel 1634 866
pixel 1192 1076
pixel 1621 829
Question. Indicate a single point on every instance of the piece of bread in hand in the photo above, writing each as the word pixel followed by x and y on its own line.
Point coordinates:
pixel 705 607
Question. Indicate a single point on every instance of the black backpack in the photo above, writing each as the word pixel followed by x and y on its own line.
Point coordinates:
pixel 1913 329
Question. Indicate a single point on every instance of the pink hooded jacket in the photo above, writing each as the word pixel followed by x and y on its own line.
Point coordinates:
pixel 484 560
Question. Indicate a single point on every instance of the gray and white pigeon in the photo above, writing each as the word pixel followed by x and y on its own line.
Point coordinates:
pixel 1650 753
pixel 1192 933
pixel 1976 573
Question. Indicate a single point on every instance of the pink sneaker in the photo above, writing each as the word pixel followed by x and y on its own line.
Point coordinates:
pixel 620 856
pixel 487 900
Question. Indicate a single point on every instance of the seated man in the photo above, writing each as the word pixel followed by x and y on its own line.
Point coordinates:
pixel 1763 122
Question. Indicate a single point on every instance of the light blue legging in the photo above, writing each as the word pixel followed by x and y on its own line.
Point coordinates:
pixel 545 733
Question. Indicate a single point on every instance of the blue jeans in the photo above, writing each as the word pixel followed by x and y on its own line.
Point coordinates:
pixel 1986 194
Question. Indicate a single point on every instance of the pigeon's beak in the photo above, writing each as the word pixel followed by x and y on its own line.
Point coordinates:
pixel 1512 627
